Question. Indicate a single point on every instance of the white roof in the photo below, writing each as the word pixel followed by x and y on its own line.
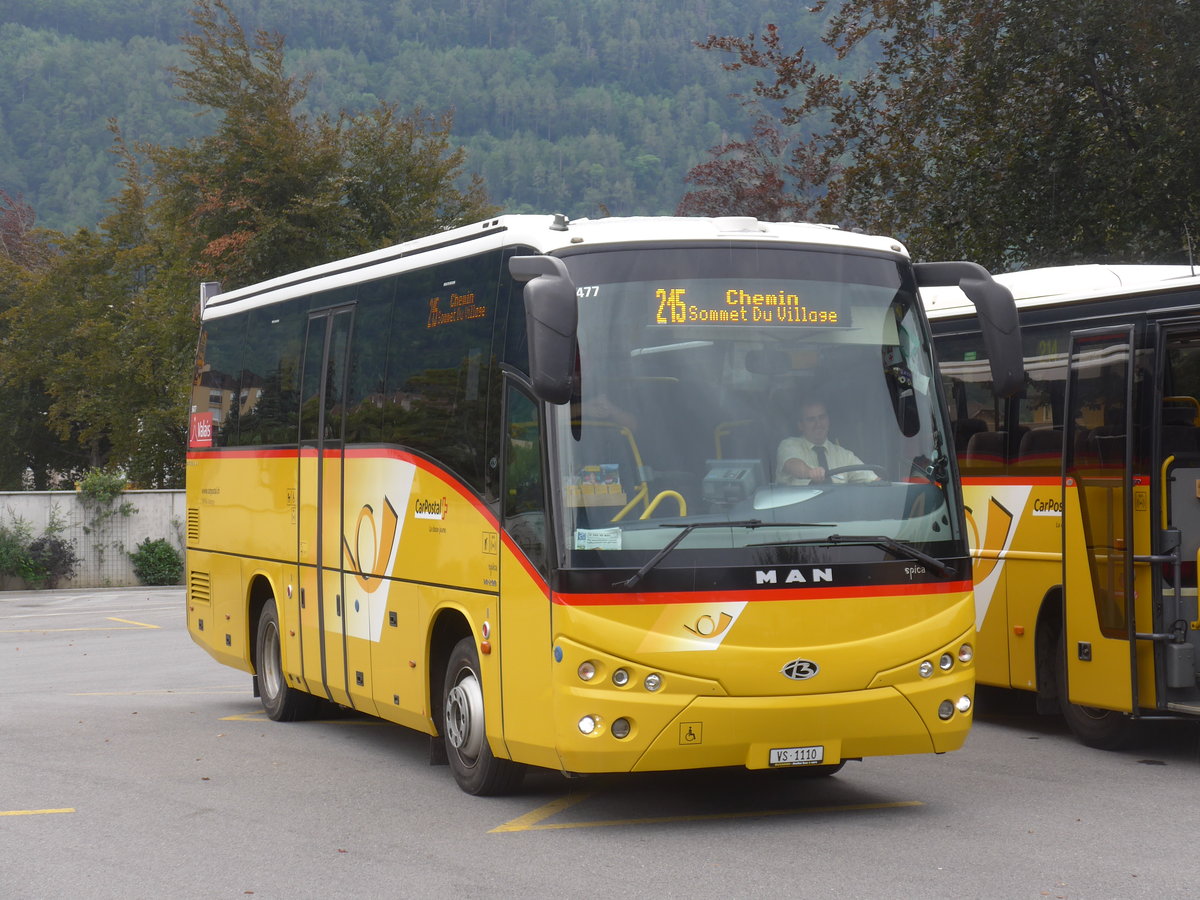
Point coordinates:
pixel 545 233
pixel 1063 284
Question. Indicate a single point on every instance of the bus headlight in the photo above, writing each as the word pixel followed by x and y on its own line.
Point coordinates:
pixel 946 663
pixel 588 724
pixel 587 671
pixel 945 710
pixel 925 669
pixel 966 653
pixel 620 728
pixel 964 704
pixel 620 678
pixel 653 681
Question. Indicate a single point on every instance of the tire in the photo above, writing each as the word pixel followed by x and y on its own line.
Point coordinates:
pixel 476 769
pixel 1103 729
pixel 282 703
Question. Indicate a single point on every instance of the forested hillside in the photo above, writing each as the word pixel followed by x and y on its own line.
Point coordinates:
pixel 578 106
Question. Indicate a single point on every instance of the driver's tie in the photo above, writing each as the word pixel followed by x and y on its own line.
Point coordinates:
pixel 822 457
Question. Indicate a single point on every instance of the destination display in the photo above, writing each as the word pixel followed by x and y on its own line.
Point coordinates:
pixel 720 303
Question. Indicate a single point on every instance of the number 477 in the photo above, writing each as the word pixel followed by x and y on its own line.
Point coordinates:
pixel 590 290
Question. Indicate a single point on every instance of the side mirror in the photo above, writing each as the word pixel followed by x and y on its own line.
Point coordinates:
pixel 998 320
pixel 551 321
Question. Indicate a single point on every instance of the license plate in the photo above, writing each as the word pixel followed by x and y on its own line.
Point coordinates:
pixel 797 756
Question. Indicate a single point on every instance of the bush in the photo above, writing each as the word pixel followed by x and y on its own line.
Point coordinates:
pixel 42 562
pixel 53 560
pixel 157 562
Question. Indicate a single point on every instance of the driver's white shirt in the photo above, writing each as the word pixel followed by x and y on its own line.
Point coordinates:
pixel 802 449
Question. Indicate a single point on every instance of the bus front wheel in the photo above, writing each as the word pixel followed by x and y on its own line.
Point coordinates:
pixel 282 703
pixel 476 769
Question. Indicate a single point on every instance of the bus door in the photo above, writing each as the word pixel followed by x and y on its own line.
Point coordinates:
pixel 524 593
pixel 1098 566
pixel 1177 492
pixel 322 616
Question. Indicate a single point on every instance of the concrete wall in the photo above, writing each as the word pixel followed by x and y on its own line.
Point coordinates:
pixel 102 543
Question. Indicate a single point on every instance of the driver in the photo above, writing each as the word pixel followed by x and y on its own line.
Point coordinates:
pixel 808 458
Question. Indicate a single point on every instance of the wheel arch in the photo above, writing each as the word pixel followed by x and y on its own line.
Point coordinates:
pixel 259 592
pixel 450 625
pixel 1046 636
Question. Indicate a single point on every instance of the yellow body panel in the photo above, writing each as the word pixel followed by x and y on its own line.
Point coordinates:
pixel 361 580
pixel 1016 531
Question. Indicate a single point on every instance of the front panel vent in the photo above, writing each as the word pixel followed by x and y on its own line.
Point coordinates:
pixel 193 526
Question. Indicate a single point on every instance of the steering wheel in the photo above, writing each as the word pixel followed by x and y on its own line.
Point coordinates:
pixel 880 471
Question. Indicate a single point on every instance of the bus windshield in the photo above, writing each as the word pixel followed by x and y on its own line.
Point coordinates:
pixel 712 380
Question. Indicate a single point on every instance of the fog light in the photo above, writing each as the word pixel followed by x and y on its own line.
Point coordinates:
pixel 926 669
pixel 653 681
pixel 945 711
pixel 963 704
pixel 966 653
pixel 587 671
pixel 620 678
pixel 588 724
pixel 946 662
pixel 620 728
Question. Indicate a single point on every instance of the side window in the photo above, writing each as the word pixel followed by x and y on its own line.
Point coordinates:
pixel 439 396
pixel 524 510
pixel 365 390
pixel 976 414
pixel 217 383
pixel 268 396
pixel 1039 420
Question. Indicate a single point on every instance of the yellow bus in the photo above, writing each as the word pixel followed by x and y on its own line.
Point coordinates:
pixel 1083 492
pixel 514 486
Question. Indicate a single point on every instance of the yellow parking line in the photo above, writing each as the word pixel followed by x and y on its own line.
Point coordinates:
pixel 534 821
pixel 128 622
pixel 33 812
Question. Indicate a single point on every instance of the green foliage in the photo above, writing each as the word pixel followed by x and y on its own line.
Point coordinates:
pixel 1014 133
pixel 40 562
pixel 100 487
pixel 157 562
pixel 554 101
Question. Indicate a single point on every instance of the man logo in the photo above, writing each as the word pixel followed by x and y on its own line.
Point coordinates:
pixel 800 669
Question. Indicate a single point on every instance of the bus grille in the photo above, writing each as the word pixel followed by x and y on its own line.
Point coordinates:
pixel 193 526
pixel 200 587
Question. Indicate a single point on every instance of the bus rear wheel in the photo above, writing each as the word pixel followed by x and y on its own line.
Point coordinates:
pixel 476 769
pixel 1103 729
pixel 282 703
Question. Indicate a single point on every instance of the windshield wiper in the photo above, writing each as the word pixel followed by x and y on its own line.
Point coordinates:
pixel 658 557
pixel 897 548
pixel 674 542
pixel 893 546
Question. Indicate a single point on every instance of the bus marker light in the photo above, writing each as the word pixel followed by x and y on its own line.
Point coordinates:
pixel 945 709
pixel 653 682
pixel 946 663
pixel 964 704
pixel 966 653
pixel 587 724
pixel 925 669
pixel 587 671
pixel 620 728
pixel 485 647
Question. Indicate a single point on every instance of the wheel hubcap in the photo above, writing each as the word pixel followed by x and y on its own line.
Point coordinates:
pixel 270 668
pixel 464 716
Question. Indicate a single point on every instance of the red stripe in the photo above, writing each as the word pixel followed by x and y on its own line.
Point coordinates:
pixel 762 595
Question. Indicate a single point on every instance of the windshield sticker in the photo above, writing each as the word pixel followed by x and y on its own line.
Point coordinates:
pixel 597 538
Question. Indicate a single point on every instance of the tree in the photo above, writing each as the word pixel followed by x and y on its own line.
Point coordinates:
pixel 271 190
pixel 1015 133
